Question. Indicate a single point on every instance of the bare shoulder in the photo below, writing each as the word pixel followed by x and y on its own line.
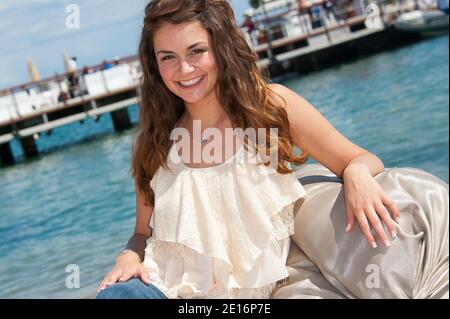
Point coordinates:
pixel 285 96
pixel 276 87
pixel 279 89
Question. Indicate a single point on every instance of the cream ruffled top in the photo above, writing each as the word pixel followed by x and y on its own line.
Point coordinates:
pixel 221 231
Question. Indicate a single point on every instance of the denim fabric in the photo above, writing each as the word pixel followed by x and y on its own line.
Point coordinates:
pixel 131 289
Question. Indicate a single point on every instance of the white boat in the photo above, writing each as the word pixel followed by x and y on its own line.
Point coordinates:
pixel 426 23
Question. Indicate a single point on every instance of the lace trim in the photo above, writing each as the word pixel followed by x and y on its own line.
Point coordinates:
pixel 260 292
pixel 283 226
pixel 283 222
pixel 191 290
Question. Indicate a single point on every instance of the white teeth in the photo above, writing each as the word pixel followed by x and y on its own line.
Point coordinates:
pixel 191 82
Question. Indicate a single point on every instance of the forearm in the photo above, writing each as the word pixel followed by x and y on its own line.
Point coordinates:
pixel 364 161
pixel 138 243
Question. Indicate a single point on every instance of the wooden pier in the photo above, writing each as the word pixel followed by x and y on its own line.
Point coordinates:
pixel 329 46
pixel 27 129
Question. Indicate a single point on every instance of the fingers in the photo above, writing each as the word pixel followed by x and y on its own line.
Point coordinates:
pixel 109 280
pixel 103 284
pixel 350 219
pixel 392 207
pixel 126 276
pixel 374 220
pixel 388 221
pixel 365 228
pixel 142 272
pixel 122 274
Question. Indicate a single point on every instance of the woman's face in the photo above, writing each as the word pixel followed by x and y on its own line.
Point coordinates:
pixel 185 60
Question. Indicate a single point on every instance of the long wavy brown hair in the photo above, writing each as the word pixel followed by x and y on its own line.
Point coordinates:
pixel 241 88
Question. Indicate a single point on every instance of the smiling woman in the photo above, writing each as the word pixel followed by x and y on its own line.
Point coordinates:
pixel 224 230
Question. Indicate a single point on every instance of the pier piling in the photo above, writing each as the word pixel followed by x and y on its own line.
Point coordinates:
pixel 6 156
pixel 121 120
pixel 29 146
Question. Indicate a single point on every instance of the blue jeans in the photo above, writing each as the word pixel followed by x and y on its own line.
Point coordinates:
pixel 131 289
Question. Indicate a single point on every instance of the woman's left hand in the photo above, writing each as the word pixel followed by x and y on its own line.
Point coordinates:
pixel 366 202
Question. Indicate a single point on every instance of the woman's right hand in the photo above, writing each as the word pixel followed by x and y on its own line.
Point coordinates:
pixel 127 266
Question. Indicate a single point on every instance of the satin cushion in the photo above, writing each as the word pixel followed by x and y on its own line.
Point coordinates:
pixel 325 262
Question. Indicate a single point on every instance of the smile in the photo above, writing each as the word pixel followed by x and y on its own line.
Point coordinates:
pixel 192 82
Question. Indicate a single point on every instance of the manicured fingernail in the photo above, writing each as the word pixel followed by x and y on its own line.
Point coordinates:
pixel 397 218
pixel 387 243
pixel 394 234
pixel 347 229
pixel 374 245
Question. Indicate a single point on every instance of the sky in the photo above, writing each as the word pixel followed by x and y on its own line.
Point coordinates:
pixel 37 29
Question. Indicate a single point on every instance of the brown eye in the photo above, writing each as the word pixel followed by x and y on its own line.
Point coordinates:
pixel 197 51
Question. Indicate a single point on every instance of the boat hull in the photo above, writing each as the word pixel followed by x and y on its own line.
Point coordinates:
pixel 423 23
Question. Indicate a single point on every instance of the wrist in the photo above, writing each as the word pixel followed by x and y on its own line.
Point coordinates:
pixel 355 169
pixel 128 252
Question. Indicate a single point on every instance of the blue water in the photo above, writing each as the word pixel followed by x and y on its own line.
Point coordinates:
pixel 76 204
pixel 394 104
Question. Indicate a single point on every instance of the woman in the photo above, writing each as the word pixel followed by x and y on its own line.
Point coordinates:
pixel 221 228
